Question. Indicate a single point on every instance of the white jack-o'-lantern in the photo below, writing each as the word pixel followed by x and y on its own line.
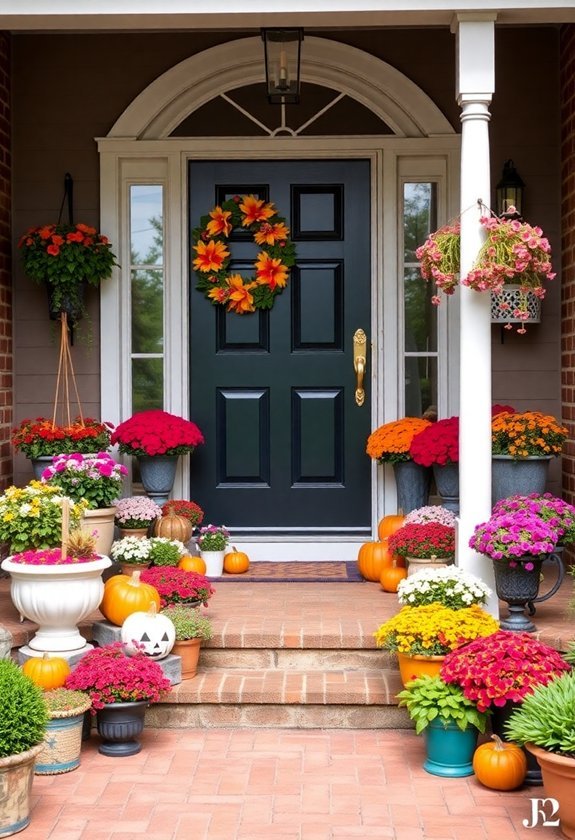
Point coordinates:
pixel 150 632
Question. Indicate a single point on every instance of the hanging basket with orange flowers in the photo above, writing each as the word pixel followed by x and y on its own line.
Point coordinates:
pixel 272 264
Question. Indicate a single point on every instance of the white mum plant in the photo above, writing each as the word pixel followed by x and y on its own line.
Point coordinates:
pixel 449 586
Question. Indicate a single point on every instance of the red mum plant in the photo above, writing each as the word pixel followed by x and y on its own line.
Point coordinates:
pixel 156 432
pixel 182 507
pixel 505 666
pixel 423 540
pixel 437 444
pixel 108 675
pixel 176 586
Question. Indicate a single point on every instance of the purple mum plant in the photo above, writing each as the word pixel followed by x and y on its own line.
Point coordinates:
pixel 515 538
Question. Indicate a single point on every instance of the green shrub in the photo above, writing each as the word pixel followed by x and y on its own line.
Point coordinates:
pixel 546 718
pixel 429 698
pixel 23 713
pixel 188 623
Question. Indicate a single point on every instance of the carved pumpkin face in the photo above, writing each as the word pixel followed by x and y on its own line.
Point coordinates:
pixel 152 633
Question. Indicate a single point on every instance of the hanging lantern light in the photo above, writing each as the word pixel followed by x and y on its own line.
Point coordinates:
pixel 282 50
pixel 509 191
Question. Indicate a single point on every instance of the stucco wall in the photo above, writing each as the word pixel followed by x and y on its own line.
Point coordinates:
pixel 93 77
pixel 6 395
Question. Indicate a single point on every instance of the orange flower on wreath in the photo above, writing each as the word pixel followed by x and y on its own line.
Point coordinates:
pixel 271 272
pixel 211 255
pixel 220 223
pixel 270 234
pixel 255 210
pixel 240 299
pixel 390 443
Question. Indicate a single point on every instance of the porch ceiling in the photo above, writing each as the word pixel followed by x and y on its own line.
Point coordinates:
pixel 116 15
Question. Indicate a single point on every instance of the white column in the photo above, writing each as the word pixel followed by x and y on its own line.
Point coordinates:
pixel 475 86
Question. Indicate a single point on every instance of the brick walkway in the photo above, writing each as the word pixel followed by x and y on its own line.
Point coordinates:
pixel 265 784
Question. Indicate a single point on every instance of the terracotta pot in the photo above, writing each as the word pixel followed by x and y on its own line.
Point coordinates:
pixel 558 773
pixel 140 533
pixel 411 667
pixel 415 564
pixel 189 651
pixel 100 520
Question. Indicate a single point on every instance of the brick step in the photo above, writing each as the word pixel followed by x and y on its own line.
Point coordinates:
pixel 358 698
pixel 295 659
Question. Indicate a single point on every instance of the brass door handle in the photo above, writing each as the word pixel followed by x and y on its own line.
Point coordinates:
pixel 359 357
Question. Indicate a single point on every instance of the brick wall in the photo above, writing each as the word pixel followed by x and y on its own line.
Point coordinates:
pixel 6 385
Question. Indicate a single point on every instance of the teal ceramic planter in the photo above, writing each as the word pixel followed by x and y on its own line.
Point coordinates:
pixel 449 749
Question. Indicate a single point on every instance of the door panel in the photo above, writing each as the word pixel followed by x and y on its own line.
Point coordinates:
pixel 274 391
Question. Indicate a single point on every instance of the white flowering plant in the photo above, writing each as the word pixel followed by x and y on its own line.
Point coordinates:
pixel 430 513
pixel 450 586
pixel 131 550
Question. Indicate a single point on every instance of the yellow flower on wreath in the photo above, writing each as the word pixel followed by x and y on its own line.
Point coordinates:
pixel 272 263
pixel 434 630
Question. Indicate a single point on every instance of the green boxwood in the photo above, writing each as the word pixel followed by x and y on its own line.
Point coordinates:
pixel 23 713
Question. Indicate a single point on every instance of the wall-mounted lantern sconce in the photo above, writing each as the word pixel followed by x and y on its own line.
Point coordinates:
pixel 509 191
pixel 282 49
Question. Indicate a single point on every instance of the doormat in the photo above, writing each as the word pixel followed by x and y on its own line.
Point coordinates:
pixel 289 572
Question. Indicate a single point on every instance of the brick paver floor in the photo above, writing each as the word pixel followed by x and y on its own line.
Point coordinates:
pixel 218 784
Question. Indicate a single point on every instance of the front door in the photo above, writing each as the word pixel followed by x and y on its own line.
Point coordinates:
pixel 274 391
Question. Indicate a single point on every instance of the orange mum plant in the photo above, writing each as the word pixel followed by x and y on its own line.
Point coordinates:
pixel 527 435
pixel 390 443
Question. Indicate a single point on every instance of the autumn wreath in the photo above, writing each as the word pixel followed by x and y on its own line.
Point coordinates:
pixel 272 264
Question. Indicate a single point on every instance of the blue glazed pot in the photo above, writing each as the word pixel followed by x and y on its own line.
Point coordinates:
pixel 158 473
pixel 510 476
pixel 449 749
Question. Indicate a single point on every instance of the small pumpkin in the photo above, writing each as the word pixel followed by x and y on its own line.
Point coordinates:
pixel 372 558
pixel 236 562
pixel 47 671
pixel 150 631
pixel 389 525
pixel 191 563
pixel 500 765
pixel 392 575
pixel 124 595
pixel 174 527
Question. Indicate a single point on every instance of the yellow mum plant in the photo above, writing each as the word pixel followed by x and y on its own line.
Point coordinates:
pixel 434 630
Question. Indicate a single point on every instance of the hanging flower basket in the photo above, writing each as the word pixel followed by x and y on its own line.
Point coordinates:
pixel 512 305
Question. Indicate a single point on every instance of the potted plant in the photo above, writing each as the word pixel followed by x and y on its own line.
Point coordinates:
pixel 131 553
pixel 429 544
pixel 192 629
pixel 522 447
pixel 65 257
pixel 450 722
pixel 157 439
pixel 499 671
pixel 96 479
pixel 422 636
pixel 135 515
pixel 514 252
pixel 39 439
pixel 176 586
pixel 557 513
pixel 431 513
pixel 23 719
pixel 56 588
pixel 517 542
pixel 31 516
pixel 63 740
pixel 437 446
pixel 212 542
pixel 165 552
pixel 545 725
pixel 389 444
pixel 450 586
pixel 120 687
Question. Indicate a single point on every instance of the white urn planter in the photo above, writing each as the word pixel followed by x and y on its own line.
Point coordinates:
pixel 57 598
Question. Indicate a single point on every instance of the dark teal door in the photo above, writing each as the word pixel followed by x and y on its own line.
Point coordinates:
pixel 274 391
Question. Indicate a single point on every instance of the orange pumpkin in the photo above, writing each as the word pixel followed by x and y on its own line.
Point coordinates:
pixel 372 558
pixel 392 575
pixel 125 595
pixel 389 525
pixel 174 527
pixel 500 765
pixel 236 562
pixel 190 563
pixel 47 671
